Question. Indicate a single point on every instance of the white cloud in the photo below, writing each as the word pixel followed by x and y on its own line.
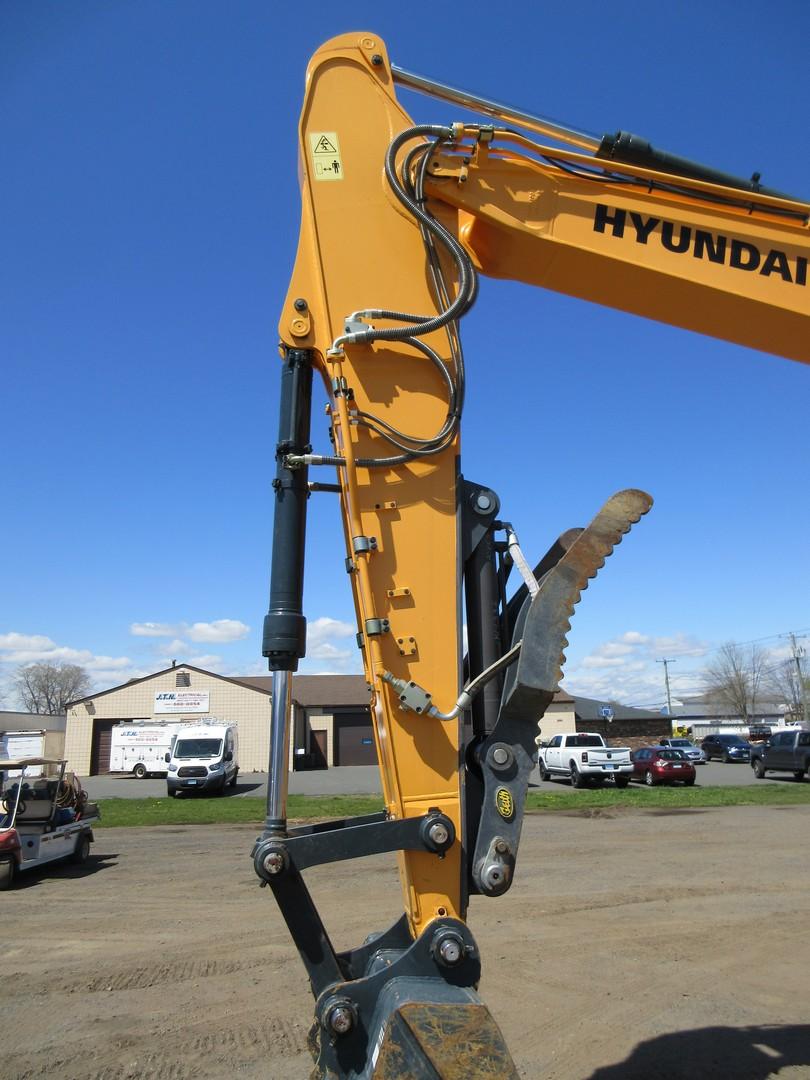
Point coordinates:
pixel 105 671
pixel 679 645
pixel 320 629
pixel 596 661
pixel 34 648
pixel 325 650
pixel 625 669
pixel 175 648
pixel 326 639
pixel 25 642
pixel 152 629
pixel 208 661
pixel 219 631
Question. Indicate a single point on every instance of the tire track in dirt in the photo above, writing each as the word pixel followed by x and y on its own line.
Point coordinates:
pixel 212 1050
pixel 171 971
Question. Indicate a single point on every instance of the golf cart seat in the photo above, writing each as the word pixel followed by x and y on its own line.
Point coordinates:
pixel 35 810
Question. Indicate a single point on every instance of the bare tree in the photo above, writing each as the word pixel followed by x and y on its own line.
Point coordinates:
pixel 735 677
pixel 47 688
pixel 785 686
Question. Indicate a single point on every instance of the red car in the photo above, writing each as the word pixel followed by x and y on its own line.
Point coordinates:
pixel 662 765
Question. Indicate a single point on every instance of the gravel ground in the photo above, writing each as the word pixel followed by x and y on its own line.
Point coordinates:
pixel 632 945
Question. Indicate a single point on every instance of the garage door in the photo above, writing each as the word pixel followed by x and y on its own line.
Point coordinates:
pixel 102 746
pixel 23 744
pixel 354 740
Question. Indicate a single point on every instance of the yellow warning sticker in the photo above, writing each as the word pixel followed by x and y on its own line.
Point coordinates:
pixel 326 160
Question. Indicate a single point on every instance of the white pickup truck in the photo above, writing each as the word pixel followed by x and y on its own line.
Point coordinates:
pixel 584 756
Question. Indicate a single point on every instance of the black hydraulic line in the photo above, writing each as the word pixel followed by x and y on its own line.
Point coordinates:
pixel 285 628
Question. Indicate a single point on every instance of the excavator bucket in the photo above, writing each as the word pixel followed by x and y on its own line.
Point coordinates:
pixel 443 1042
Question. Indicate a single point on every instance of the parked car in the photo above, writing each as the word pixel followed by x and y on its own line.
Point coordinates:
pixel 662 765
pixel 687 748
pixel 726 747
pixel 785 751
pixel 759 733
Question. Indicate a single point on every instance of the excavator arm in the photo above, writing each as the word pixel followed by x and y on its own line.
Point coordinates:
pixel 398 221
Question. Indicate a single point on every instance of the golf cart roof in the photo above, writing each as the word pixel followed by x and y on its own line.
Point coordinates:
pixel 23 763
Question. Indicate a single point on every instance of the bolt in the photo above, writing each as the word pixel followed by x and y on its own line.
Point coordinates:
pixel 300 304
pixel 500 755
pixel 449 949
pixel 483 502
pixel 377 60
pixel 492 877
pixel 340 1017
pixel 501 847
pixel 274 862
pixel 439 833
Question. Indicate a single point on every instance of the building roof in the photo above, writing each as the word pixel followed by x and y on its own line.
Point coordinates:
pixel 26 721
pixel 312 690
pixel 165 671
pixel 588 709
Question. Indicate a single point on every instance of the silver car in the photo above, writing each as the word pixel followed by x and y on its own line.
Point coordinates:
pixel 687 748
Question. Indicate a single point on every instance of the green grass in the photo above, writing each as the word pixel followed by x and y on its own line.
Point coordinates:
pixel 201 811
pixel 246 810
pixel 787 794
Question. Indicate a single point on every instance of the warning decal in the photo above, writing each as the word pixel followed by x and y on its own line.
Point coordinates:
pixel 326 160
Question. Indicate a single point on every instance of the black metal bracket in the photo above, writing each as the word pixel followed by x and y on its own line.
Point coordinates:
pixel 353 838
pixel 278 862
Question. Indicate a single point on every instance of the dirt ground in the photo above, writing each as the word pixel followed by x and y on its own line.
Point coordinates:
pixel 632 945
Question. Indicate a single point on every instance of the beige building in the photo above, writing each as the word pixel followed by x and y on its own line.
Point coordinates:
pixel 178 693
pixel 331 725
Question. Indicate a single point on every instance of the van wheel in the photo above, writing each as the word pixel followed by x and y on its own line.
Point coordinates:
pixel 139 772
pixel 7 871
pixel 232 781
pixel 798 773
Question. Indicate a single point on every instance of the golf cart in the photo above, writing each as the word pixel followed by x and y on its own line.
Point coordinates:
pixel 42 818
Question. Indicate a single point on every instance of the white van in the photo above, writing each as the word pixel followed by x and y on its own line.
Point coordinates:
pixel 203 757
pixel 140 748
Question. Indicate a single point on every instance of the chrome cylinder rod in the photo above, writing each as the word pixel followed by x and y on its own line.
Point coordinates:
pixel 542 126
pixel 278 772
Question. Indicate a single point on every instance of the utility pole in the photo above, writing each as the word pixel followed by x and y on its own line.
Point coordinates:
pixel 666 680
pixel 798 652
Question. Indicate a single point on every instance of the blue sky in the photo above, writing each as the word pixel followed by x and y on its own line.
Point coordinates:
pixel 149 219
